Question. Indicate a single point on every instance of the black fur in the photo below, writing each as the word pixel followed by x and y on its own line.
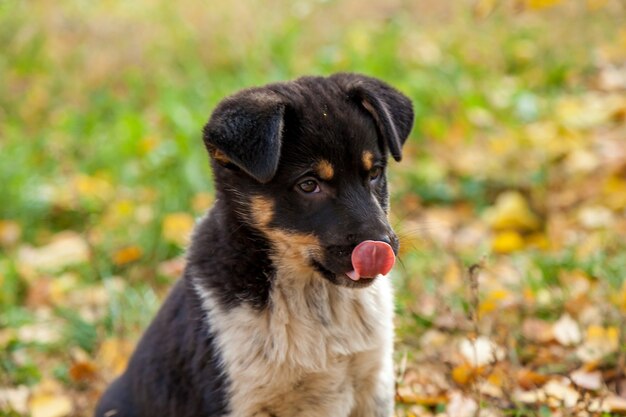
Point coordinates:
pixel 265 142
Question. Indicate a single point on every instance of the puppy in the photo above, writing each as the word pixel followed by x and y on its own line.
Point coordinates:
pixel 282 309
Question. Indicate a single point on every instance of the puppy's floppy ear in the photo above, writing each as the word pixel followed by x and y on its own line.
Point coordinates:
pixel 392 111
pixel 246 130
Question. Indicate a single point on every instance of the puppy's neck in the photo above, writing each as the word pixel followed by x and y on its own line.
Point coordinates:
pixel 230 259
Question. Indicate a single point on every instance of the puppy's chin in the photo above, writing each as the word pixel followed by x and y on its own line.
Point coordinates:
pixel 341 278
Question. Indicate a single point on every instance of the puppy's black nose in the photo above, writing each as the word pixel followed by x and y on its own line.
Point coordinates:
pixel 355 239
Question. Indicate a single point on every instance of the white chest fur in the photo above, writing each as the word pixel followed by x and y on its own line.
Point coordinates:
pixel 312 353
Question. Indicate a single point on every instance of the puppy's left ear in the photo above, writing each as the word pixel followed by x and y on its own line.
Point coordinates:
pixel 392 111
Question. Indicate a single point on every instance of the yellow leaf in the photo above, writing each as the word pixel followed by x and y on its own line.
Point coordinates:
pixel 599 342
pixel 463 374
pixel 93 187
pixel 596 4
pixel 201 202
pixel 407 396
pixel 113 355
pixel 507 242
pixel 492 301
pixel 605 335
pixel 177 228
pixel 511 212
pixel 127 255
pixel 614 193
pixel 10 232
pixel 47 404
pixel 542 4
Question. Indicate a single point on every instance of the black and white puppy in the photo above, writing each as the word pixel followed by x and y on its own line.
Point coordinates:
pixel 282 310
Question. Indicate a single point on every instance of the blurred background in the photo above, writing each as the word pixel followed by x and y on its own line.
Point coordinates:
pixel 510 201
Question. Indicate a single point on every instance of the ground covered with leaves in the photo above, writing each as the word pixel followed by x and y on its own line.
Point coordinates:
pixel 510 202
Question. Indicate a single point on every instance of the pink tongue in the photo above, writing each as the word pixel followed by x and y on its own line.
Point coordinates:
pixel 371 258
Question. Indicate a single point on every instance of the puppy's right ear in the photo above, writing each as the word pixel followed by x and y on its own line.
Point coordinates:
pixel 246 130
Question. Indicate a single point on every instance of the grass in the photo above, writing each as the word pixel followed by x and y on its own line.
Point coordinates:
pixel 101 109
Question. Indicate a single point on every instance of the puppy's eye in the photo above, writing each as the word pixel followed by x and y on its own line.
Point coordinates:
pixel 375 173
pixel 309 187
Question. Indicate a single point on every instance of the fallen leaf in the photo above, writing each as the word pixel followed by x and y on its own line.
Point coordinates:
pixel 542 4
pixel 561 393
pixel 566 331
pixel 65 249
pixel 481 351
pixel 528 379
pixel 614 404
pixel 83 371
pixel 464 373
pixel 461 406
pixel 406 395
pixel 177 228
pixel 113 355
pixel 595 217
pixel 40 332
pixel 599 342
pixel 47 400
pixel 49 405
pixel 127 255
pixel 507 242
pixel 10 232
pixel 16 398
pixel 511 212
pixel 537 330
pixel 587 380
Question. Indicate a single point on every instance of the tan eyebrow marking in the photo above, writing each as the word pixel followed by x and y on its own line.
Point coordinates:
pixel 325 170
pixel 368 160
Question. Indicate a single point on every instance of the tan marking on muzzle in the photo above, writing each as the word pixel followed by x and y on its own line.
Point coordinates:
pixel 368 160
pixel 325 170
pixel 291 251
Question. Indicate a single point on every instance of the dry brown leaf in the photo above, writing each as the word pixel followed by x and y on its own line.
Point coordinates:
pixel 528 379
pixel 127 255
pixel 464 374
pixel 65 249
pixel 83 371
pixel 537 330
pixel 407 396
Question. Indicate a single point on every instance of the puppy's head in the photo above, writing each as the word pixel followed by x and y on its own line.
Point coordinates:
pixel 304 164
